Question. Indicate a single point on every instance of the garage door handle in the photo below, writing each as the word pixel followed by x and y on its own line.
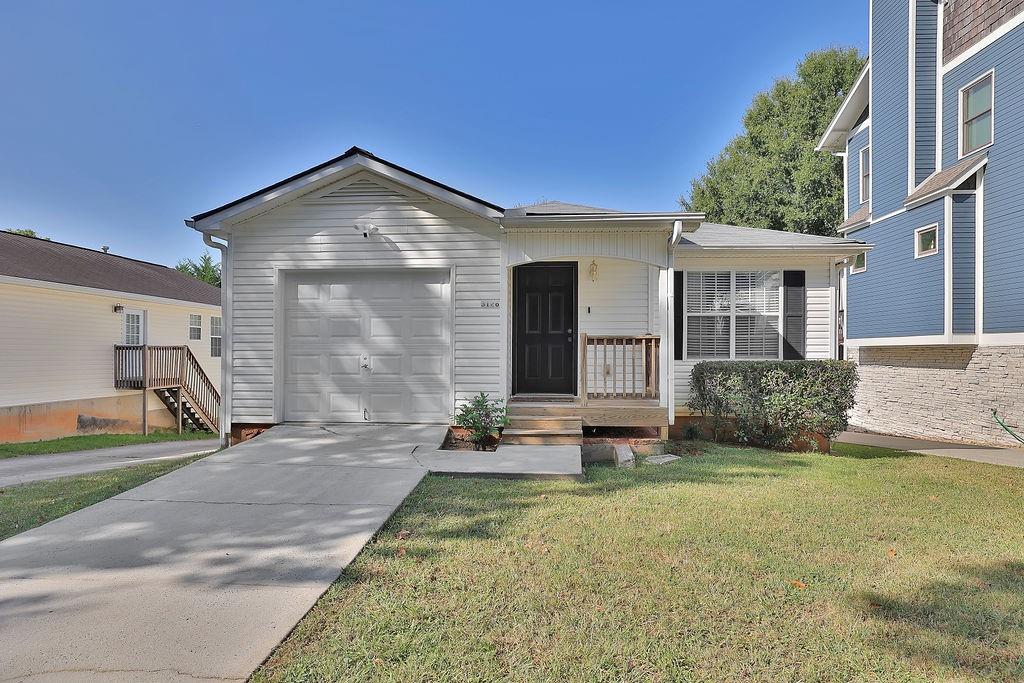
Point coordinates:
pixel 364 362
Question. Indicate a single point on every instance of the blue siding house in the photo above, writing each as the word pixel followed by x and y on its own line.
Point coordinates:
pixel 932 138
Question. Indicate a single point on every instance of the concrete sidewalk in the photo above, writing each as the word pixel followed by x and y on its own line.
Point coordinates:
pixel 199 574
pixel 1010 457
pixel 28 468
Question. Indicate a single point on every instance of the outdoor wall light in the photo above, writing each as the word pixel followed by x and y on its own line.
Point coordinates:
pixel 368 229
pixel 593 271
pixel 118 308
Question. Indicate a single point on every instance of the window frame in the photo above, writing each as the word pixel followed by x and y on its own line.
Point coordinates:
pixel 141 313
pixel 219 337
pixel 853 264
pixel 865 188
pixel 962 110
pixel 731 313
pixel 917 241
pixel 197 327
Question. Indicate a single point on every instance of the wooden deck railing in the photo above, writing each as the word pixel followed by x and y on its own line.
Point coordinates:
pixel 167 367
pixel 620 366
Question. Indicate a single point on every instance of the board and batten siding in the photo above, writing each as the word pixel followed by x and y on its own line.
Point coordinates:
pixel 1004 175
pixel 889 104
pixel 58 345
pixel 318 231
pixel 854 146
pixel 820 299
pixel 963 263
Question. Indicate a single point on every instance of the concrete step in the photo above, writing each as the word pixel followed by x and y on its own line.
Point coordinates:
pixel 541 422
pixel 542 437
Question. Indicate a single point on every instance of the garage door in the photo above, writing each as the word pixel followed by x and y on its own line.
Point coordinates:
pixel 365 345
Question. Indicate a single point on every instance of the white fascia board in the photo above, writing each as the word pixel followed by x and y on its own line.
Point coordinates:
pixel 983 43
pixel 840 125
pixel 222 220
pixel 127 296
pixel 773 252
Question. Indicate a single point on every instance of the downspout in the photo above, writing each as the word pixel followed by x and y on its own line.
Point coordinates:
pixel 669 317
pixel 226 332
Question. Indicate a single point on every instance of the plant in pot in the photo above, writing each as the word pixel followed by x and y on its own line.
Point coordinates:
pixel 481 417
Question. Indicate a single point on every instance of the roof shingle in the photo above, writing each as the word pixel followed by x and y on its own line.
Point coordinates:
pixel 39 259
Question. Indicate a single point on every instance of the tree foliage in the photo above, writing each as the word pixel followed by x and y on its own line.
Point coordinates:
pixel 206 269
pixel 770 176
pixel 27 232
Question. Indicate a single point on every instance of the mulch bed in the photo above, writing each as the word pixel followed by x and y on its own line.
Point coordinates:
pixel 457 439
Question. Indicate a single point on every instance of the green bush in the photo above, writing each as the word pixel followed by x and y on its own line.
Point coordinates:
pixel 482 417
pixel 774 403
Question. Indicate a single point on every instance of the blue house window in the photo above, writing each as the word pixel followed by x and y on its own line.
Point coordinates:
pixel 977 102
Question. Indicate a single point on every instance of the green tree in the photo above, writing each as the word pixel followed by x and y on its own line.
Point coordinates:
pixel 27 232
pixel 206 269
pixel 769 176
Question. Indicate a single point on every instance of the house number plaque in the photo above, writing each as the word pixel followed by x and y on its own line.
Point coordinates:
pixel 489 303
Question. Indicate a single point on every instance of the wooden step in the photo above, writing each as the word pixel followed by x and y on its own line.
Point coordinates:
pixel 544 422
pixel 543 437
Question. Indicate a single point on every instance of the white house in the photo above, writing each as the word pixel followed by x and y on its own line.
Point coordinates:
pixel 362 291
pixel 85 334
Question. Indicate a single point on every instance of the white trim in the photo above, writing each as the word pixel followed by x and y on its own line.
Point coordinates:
pixel 844 112
pixel 860 173
pixel 143 324
pixel 927 228
pixel 961 154
pixel 1001 31
pixel 732 313
pixel 951 186
pixel 505 316
pixel 947 265
pixel 832 310
pixel 871 91
pixel 854 270
pixel 979 254
pixel 129 296
pixel 218 337
pixel 911 93
pixel 768 252
pixel 938 87
pixel 859 129
pixel 923 340
pixel 1001 338
pixel 190 327
pixel 845 157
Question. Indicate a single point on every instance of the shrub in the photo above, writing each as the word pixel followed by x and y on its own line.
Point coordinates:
pixel 482 417
pixel 774 403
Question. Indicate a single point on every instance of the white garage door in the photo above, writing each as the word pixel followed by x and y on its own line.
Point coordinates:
pixel 364 345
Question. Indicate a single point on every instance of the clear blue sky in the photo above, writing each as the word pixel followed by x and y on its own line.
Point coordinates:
pixel 119 119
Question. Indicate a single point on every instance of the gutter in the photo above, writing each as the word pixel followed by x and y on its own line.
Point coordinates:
pixel 226 333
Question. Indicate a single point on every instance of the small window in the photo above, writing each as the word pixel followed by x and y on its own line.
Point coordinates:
pixel 865 174
pixel 926 241
pixel 215 336
pixel 976 108
pixel 195 326
pixel 860 263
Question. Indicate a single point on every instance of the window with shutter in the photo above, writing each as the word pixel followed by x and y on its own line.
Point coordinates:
pixel 731 315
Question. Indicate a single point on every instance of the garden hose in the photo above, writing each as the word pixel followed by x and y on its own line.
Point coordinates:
pixel 1004 426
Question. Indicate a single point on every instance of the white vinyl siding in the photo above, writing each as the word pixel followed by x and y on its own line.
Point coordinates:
pixel 318 231
pixel 58 345
pixel 819 303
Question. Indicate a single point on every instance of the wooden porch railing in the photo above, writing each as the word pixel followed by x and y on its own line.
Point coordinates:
pixel 168 367
pixel 620 367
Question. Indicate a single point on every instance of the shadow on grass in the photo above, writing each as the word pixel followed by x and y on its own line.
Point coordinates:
pixel 861 452
pixel 973 622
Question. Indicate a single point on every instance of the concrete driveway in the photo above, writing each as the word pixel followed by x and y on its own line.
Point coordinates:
pixel 28 468
pixel 197 575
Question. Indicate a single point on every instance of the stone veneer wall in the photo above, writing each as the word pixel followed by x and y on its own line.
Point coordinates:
pixel 968 21
pixel 945 393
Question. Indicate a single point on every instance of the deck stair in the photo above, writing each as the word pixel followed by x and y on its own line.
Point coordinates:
pixel 528 426
pixel 177 378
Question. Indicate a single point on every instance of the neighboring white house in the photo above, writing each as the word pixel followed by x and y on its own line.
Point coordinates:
pixel 361 291
pixel 64 309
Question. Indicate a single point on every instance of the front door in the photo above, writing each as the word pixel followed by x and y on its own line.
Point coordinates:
pixel 544 324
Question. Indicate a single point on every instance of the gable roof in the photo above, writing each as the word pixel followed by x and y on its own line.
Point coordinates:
pixel 32 258
pixel 848 114
pixel 718 236
pixel 353 153
pixel 557 208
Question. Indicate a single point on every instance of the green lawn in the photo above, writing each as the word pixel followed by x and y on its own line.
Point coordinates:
pixel 29 505
pixel 733 565
pixel 89 442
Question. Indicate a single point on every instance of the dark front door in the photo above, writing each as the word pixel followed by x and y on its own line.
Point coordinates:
pixel 544 327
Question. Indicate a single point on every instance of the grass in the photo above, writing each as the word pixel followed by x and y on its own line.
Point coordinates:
pixel 29 505
pixel 89 442
pixel 732 565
